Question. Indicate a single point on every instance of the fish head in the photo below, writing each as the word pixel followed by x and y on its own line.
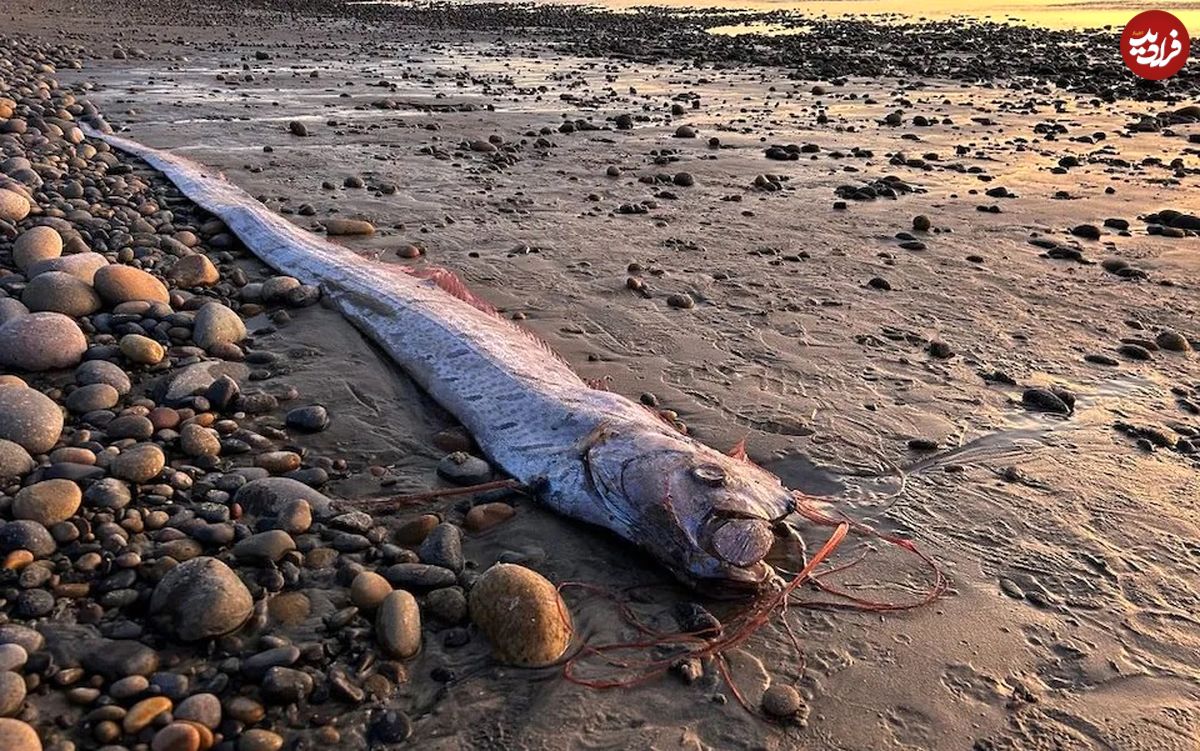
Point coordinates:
pixel 708 516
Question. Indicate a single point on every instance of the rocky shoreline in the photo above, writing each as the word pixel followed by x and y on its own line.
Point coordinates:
pixel 160 514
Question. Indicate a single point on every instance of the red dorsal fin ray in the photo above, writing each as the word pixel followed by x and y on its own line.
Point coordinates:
pixel 449 283
pixel 739 451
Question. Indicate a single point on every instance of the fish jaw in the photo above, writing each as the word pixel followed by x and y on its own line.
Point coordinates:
pixel 706 516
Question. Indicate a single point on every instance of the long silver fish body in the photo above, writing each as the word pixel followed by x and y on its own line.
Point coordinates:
pixel 593 455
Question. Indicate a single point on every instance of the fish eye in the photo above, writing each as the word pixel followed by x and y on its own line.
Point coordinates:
pixel 710 474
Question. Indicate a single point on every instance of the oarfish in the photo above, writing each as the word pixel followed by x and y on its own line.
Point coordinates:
pixel 591 454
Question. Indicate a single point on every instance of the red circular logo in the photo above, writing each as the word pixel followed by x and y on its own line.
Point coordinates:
pixel 1155 45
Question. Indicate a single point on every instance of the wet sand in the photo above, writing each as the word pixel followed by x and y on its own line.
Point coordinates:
pixel 1070 547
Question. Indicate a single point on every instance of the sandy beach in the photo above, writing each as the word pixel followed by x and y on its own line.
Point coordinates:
pixel 954 301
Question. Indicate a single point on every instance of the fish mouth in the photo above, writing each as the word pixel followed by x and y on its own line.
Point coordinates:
pixel 737 540
pixel 736 583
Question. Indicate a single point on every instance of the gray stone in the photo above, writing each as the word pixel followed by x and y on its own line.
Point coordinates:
pixel 197 378
pixel 24 534
pixel 29 418
pixel 60 292
pixel 12 693
pixel 264 547
pixel 443 547
pixel 11 308
pixel 118 658
pixel 201 599
pixel 216 324
pixel 398 625
pixel 81 265
pixel 268 496
pixel 41 341
pixel 93 397
pixel 15 461
pixel 103 371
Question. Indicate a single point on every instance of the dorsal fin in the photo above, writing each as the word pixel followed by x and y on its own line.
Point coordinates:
pixel 739 451
pixel 449 283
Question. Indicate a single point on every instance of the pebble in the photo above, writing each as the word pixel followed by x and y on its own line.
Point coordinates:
pixel 139 463
pixel 417 576
pixel 1044 400
pixel 115 659
pixel 11 308
pixel 268 495
pixel 295 517
pixel 140 715
pixel 81 265
pixel 521 614
pixel 15 461
pixel 29 419
pixel 487 515
pixel 197 440
pixel 142 350
pixel 178 736
pixel 92 398
pixel 12 657
pixel 16 735
pixel 283 685
pixel 368 590
pixel 681 300
pixel 443 547
pixel 257 739
pixel 48 502
pixel 117 283
pixel 193 271
pixel 12 693
pixel 13 206
pixel 41 341
pixel 448 605
pixel 348 227
pixel 413 531
pixel 308 419
pixel 201 599
pixel 23 534
pixel 60 292
pixel 103 371
pixel 782 701
pixel 278 462
pixel 398 625
pixel 217 324
pixel 389 726
pixel 461 468
pixel 264 547
pixel 203 709
pixel 1172 341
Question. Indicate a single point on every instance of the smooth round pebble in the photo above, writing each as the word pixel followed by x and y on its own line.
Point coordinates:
pixel 41 341
pixel 522 615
